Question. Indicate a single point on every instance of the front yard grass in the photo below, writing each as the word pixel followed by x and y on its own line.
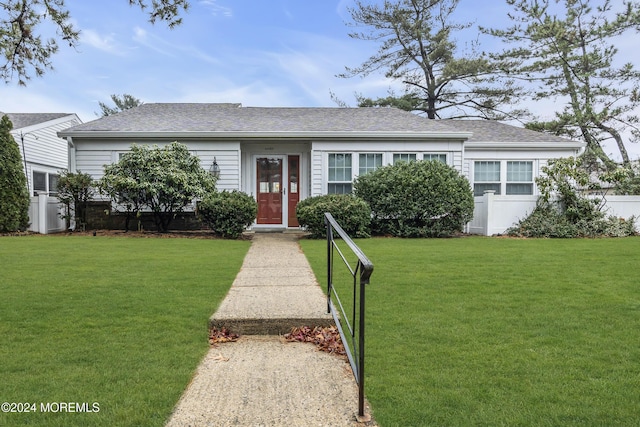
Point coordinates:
pixel 489 332
pixel 117 321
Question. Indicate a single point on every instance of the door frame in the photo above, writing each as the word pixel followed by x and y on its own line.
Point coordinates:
pixel 284 157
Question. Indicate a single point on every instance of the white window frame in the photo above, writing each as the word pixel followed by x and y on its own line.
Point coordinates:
pixel 514 181
pixel 363 170
pixel 508 178
pixel 401 157
pixel 347 181
pixel 48 181
pixel 442 157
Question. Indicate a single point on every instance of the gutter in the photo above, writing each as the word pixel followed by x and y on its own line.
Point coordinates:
pixel 540 145
pixel 279 135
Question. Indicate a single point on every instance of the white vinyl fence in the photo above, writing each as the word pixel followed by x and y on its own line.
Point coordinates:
pixel 44 214
pixel 494 214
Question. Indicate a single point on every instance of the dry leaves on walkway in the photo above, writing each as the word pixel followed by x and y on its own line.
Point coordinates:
pixel 326 339
pixel 221 336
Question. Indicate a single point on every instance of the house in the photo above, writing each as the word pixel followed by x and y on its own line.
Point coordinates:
pixel 44 153
pixel 284 155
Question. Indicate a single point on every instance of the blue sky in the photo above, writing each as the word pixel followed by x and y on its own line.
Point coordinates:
pixel 255 52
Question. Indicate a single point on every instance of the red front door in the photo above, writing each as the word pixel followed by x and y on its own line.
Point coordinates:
pixel 269 190
pixel 293 197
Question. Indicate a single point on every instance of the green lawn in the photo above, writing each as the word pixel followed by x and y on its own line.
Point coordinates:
pixel 117 321
pixel 501 332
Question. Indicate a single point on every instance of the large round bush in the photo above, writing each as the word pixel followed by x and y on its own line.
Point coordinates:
pixel 416 199
pixel 228 213
pixel 353 214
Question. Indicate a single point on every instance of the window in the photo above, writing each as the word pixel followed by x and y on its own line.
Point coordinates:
pixel 486 176
pixel 403 157
pixel 519 178
pixel 340 175
pixel 440 157
pixel 45 183
pixel 53 184
pixel 369 162
pixel 39 182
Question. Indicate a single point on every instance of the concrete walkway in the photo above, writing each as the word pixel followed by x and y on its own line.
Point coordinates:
pixel 262 380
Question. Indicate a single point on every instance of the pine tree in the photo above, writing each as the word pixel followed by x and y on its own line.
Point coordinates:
pixel 14 196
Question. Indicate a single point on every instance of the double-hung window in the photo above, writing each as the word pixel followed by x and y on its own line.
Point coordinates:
pixel 503 177
pixel 404 157
pixel 486 176
pixel 519 178
pixel 431 156
pixel 340 173
pixel 368 162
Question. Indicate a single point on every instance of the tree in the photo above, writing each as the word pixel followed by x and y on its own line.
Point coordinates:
pixel 417 47
pixel 570 57
pixel 14 196
pixel 122 103
pixel 416 199
pixel 164 180
pixel 23 47
pixel 75 190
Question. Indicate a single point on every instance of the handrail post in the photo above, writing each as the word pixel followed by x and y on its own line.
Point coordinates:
pixel 361 355
pixel 361 271
pixel 329 262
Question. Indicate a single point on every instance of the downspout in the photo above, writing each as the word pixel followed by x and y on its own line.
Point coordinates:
pixel 24 159
pixel 71 155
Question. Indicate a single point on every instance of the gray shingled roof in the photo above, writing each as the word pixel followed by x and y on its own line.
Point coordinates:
pixel 23 120
pixel 234 118
pixel 492 131
pixel 229 118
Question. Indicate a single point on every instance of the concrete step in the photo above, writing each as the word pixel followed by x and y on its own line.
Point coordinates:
pixel 274 291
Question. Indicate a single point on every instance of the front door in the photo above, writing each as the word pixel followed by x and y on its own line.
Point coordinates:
pixel 269 190
pixel 293 174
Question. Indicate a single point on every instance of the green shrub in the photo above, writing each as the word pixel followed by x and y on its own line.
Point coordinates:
pixel 228 213
pixel 353 214
pixel 565 212
pixel 550 221
pixel 416 199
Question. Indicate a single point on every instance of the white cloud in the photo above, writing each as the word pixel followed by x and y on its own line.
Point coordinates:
pixel 105 43
pixel 216 9
pixel 160 45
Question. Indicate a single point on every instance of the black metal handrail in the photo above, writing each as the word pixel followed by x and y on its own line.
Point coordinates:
pixel 361 274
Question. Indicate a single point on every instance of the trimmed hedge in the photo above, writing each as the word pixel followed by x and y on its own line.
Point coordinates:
pixel 228 213
pixel 416 199
pixel 353 214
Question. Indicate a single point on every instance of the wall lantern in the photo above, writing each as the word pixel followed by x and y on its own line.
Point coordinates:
pixel 215 169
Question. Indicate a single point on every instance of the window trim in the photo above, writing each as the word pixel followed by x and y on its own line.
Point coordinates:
pixel 341 183
pixel 46 179
pixel 503 185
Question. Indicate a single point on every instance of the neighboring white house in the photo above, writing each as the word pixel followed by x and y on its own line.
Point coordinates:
pixel 43 152
pixel 284 155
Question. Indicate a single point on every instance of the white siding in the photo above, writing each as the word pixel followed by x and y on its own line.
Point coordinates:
pixel 92 155
pixel 452 149
pixel 43 150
